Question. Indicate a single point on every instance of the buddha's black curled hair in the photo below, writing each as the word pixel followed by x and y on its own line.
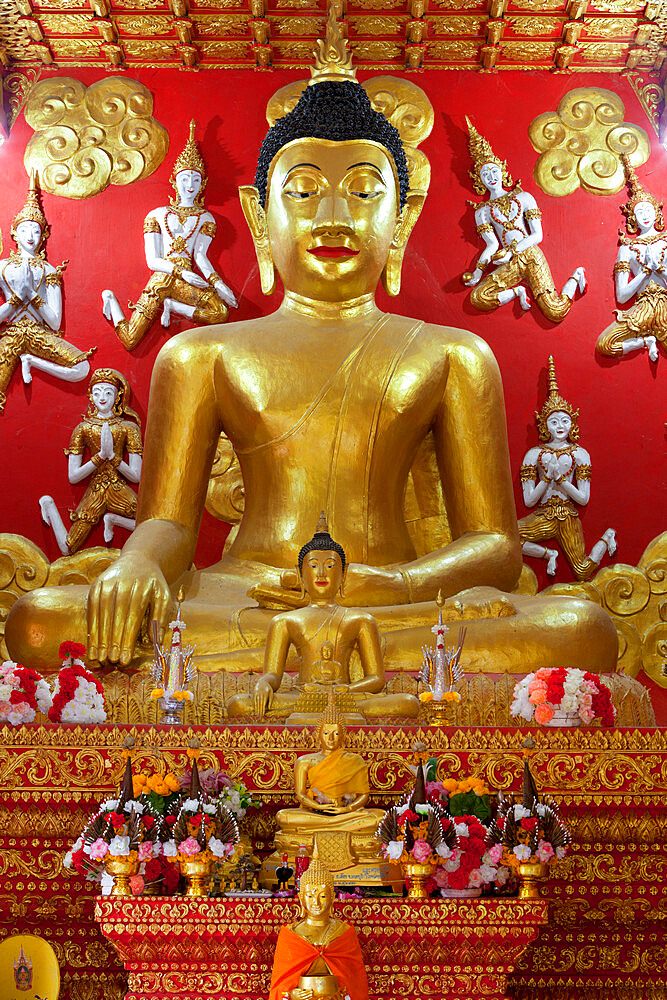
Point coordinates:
pixel 336 111
pixel 321 542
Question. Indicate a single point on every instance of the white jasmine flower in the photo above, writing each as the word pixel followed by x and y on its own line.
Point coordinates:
pixel 119 846
pixel 394 849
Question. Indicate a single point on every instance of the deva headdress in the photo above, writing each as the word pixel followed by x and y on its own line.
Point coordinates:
pixel 190 159
pixel 481 153
pixel 637 195
pixel 555 403
pixel 31 212
pixel 121 406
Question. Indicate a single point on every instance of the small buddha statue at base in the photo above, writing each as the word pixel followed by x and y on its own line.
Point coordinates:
pixel 318 956
pixel 325 635
pixel 331 820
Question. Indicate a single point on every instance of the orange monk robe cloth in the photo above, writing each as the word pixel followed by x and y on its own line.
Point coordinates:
pixel 338 773
pixel 294 956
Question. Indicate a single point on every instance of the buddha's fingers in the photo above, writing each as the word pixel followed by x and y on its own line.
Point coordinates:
pixel 126 638
pixel 106 620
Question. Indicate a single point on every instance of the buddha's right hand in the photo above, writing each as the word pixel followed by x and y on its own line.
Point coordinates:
pixel 262 696
pixel 117 603
pixel 299 994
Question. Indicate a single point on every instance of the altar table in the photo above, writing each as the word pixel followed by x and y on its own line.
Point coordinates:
pixel 198 949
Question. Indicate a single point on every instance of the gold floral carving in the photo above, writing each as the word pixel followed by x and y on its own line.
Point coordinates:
pixel 66 24
pixel 650 95
pixel 618 6
pixel 378 51
pixel 636 599
pixel 148 24
pixel 471 24
pixel 454 51
pixel 310 26
pixel 377 24
pixel 224 50
pixel 75 48
pixel 220 24
pixel 458 4
pixel 580 143
pixel 14 37
pixel 541 5
pixel 603 52
pixel 89 137
pixel 536 25
pixel 519 52
pixel 152 48
pixel 382 4
pixel 18 84
pixel 294 51
pixel 610 27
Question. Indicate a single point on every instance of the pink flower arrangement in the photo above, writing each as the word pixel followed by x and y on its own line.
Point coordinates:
pixel 574 692
pixel 189 846
pixel 422 852
pixel 23 692
pixel 145 850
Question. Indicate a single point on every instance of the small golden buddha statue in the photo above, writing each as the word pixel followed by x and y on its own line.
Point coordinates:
pixel 328 397
pixel 325 635
pixel 332 820
pixel 318 956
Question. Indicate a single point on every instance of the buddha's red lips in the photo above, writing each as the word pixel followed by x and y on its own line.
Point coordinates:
pixel 333 253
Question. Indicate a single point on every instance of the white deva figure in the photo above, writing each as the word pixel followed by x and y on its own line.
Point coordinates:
pixel 555 476
pixel 32 311
pixel 176 239
pixel 641 270
pixel 510 224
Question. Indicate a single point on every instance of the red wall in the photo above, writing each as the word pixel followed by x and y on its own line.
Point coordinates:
pixel 622 404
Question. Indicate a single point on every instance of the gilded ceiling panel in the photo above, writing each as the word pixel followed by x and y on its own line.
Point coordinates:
pixel 491 34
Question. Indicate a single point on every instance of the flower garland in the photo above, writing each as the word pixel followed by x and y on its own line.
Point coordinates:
pixel 78 695
pixel 573 691
pixel 23 692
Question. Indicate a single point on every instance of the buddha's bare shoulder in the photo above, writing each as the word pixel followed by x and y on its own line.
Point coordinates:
pixel 455 344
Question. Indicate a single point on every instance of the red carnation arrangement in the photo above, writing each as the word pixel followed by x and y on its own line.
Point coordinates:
pixel 23 692
pixel 78 695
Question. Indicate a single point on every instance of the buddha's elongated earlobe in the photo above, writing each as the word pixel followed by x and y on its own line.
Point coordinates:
pixel 341 589
pixel 256 219
pixel 302 595
pixel 391 276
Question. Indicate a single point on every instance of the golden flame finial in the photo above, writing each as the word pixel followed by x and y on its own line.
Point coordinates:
pixel 190 159
pixel 481 153
pixel 322 525
pixel 333 60
pixel 553 384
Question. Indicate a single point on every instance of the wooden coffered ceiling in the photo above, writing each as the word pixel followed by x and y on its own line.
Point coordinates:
pixel 579 35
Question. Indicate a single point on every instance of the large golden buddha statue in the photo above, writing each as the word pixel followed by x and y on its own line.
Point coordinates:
pixel 327 402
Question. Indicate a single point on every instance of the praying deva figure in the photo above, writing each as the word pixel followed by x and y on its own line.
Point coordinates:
pixel 324 635
pixel 641 270
pixel 327 398
pixel 555 476
pixel 176 238
pixel 33 308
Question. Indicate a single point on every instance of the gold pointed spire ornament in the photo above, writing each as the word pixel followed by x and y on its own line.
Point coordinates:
pixel 481 153
pixel 190 158
pixel 638 194
pixel 322 525
pixel 333 59
pixel 331 716
pixel 555 403
pixel 31 211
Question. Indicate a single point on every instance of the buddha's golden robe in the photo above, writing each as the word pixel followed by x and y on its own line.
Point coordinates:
pixel 339 773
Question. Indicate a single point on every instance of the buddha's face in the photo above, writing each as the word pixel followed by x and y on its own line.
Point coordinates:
pixel 331 736
pixel 559 425
pixel 322 574
pixel 188 185
pixel 331 211
pixel 103 395
pixel 645 214
pixel 28 236
pixel 317 899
